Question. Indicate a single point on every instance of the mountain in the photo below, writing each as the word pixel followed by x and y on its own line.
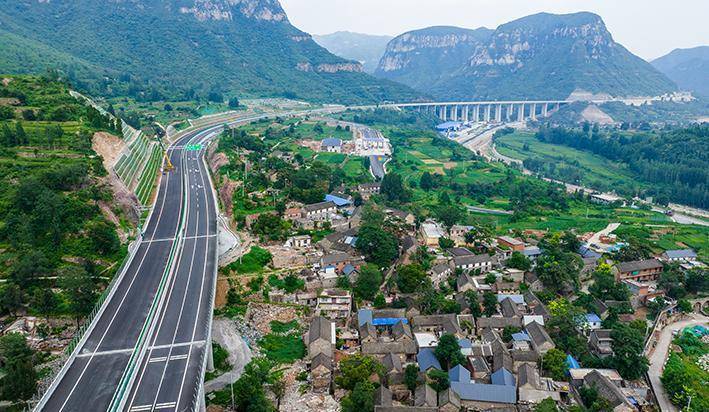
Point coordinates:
pixel 542 56
pixel 180 49
pixel 689 68
pixel 364 48
pixel 423 58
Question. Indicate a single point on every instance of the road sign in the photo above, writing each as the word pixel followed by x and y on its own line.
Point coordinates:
pixel 193 147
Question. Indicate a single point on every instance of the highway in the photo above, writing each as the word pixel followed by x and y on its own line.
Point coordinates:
pixel 146 349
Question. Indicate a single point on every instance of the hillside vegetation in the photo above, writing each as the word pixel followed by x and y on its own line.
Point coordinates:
pixel 57 243
pixel 183 50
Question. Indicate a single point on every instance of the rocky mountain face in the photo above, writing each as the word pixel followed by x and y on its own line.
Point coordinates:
pixel 689 68
pixel 423 58
pixel 177 49
pixel 364 48
pixel 540 56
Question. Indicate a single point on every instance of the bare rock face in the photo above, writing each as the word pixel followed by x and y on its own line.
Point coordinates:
pixel 265 10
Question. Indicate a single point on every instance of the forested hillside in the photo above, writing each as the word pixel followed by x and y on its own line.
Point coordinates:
pixel 181 49
pixel 675 161
pixel 57 244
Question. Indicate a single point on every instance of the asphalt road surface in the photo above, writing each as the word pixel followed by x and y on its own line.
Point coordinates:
pixel 148 344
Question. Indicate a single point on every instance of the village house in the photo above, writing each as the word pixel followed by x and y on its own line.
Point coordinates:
pixel 320 341
pixel 439 273
pixel 400 216
pixel 458 232
pixel 331 145
pixel 298 242
pixel 600 342
pixel 483 263
pixel 510 243
pixel 639 270
pixel 680 255
pixel 319 211
pixel 608 391
pixel 541 341
pixel 431 232
pixel 334 304
pixel 366 190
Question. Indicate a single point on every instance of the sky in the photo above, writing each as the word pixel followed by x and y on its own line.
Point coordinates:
pixel 648 28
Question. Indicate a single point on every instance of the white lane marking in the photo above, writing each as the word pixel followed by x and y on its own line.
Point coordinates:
pixel 163 313
pixel 120 305
pixel 177 345
pixel 106 352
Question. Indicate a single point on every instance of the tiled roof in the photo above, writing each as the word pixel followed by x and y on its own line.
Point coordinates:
pixel 638 265
pixel 502 377
pixel 427 359
pixel 485 393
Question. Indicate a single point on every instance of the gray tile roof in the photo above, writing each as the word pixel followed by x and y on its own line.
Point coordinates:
pixel 321 360
pixel 638 265
pixel 681 254
pixel 320 328
pixel 528 375
pixel 472 259
pixel 318 206
pixel 509 308
pixel 538 334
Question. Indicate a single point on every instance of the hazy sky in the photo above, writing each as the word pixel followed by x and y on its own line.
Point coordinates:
pixel 648 28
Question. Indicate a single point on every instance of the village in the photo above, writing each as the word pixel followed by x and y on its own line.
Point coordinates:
pixel 453 318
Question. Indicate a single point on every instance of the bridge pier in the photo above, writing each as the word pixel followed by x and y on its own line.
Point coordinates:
pixel 476 113
pixel 520 113
pixel 510 110
pixel 202 399
pixel 533 112
pixel 498 113
pixel 442 113
pixel 466 113
pixel 545 109
pixel 210 357
pixel 487 113
pixel 454 113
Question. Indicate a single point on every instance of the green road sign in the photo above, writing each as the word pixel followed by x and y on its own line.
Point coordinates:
pixel 193 147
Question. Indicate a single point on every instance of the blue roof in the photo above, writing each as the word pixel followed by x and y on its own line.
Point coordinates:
pixel 459 374
pixel 502 377
pixel 388 321
pixel 485 393
pixel 465 343
pixel 681 253
pixel 348 269
pixel 518 299
pixel 572 363
pixel 448 125
pixel 585 252
pixel 338 201
pixel 521 336
pixel 427 359
pixel 364 316
pixel 532 251
pixel 331 141
pixel 592 318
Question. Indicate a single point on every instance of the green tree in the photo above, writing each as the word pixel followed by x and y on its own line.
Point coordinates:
pixel 604 286
pixel 448 351
pixel 374 242
pixel 80 290
pixel 20 380
pixel 356 369
pixel 684 306
pixel 104 237
pixel 471 297
pixel 44 300
pixel 519 261
pixel 547 405
pixel 361 399
pixel 445 243
pixel 439 380
pixel 508 331
pixel 393 189
pixel 411 377
pixel 31 265
pixel 554 362
pixel 11 298
pixel 697 281
pixel 379 301
pixel 628 345
pixel 426 182
pixel 489 304
pixel 410 277
pixel 368 281
pixel 448 214
pixel 20 134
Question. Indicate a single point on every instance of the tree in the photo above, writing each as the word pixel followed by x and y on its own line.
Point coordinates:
pixel 379 301
pixel 393 188
pixel 104 237
pixel 374 242
pixel 410 277
pixel 684 306
pixel 233 103
pixel 557 267
pixel 628 345
pixel 8 137
pixel 508 331
pixel 519 261
pixel 547 405
pixel 20 134
pixel 7 113
pixel 368 281
pixel 20 380
pixel 448 351
pixel 445 243
pixel 426 182
pixel 697 281
pixel 11 298
pixel 490 278
pixel 361 399
pixel 411 377
pixel 439 380
pixel 471 297
pixel 44 300
pixel 279 391
pixel 448 214
pixel 356 369
pixel 554 362
pixel 563 326
pixel 604 286
pixel 80 289
pixel 489 303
